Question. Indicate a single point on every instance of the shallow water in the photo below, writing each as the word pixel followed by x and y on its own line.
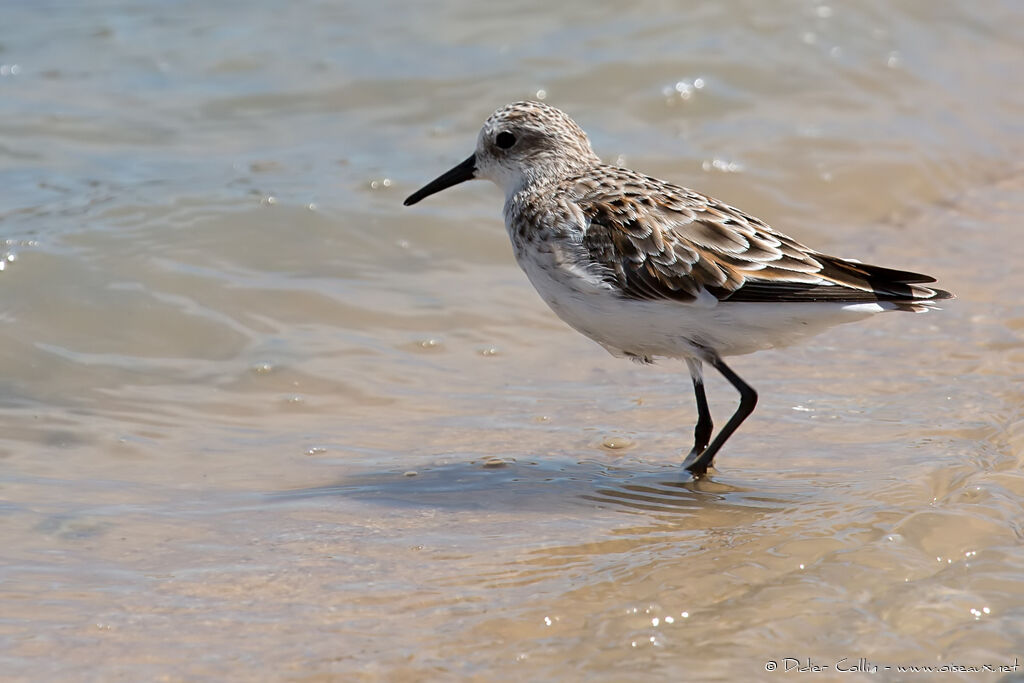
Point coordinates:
pixel 259 421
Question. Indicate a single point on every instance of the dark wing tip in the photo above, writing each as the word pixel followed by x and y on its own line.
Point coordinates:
pixel 887 284
pixel 940 294
pixel 841 281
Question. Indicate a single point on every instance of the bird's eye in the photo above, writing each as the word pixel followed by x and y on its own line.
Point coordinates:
pixel 505 139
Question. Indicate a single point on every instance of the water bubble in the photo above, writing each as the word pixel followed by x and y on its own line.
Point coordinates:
pixel 681 90
pixel 616 443
pixel 721 165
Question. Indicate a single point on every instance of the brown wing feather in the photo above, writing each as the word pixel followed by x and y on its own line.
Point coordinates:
pixel 667 242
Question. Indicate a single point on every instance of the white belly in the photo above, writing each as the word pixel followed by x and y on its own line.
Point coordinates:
pixel 670 328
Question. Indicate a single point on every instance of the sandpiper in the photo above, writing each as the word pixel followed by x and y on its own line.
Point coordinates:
pixel 649 269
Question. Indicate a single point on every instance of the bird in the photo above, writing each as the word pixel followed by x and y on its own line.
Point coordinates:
pixel 652 270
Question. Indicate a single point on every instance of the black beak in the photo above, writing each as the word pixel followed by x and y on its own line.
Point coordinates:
pixel 460 174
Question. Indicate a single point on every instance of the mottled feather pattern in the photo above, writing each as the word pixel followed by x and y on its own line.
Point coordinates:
pixel 649 269
pixel 661 241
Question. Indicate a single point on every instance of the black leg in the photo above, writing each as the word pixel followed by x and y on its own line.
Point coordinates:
pixel 748 399
pixel 702 432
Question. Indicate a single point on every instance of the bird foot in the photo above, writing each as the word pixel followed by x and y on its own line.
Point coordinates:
pixel 696 464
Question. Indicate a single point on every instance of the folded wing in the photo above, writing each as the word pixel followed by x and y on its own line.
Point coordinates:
pixel 660 241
